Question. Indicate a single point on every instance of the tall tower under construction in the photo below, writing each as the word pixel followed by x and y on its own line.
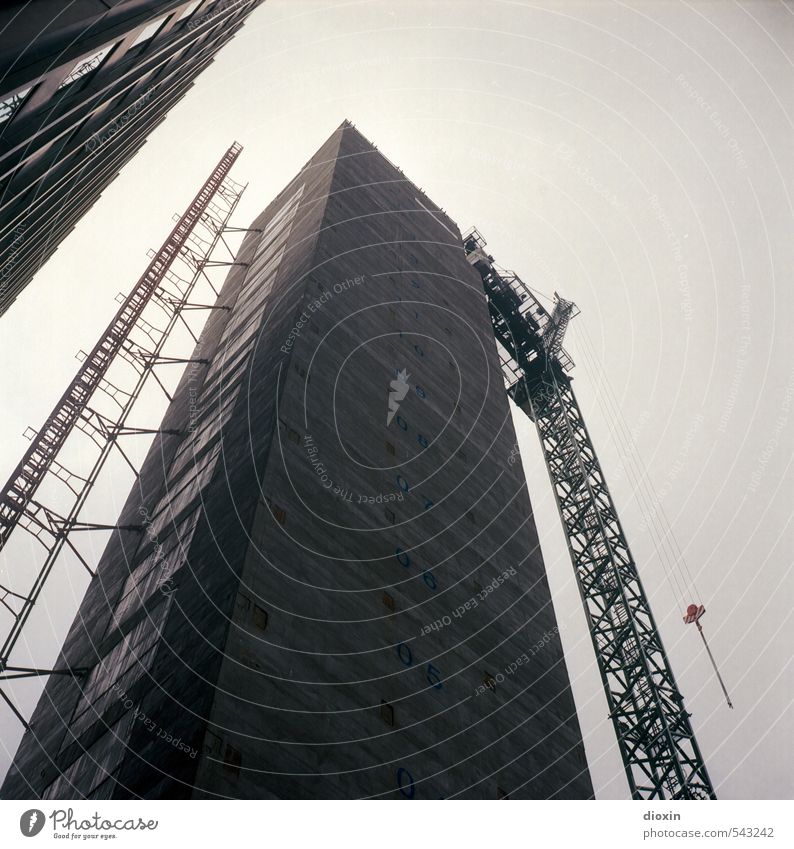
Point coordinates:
pixel 336 588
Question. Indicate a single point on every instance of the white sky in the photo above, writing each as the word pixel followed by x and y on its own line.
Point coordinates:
pixel 660 203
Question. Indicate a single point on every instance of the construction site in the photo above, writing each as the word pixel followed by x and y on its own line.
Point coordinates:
pixel 428 484
pixel 310 593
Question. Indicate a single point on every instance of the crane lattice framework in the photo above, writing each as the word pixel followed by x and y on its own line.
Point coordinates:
pixel 97 404
pixel 656 741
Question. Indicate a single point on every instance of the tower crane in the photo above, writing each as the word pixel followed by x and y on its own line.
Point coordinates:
pixel 655 737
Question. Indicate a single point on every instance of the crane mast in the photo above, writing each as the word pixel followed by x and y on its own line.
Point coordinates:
pixel 655 738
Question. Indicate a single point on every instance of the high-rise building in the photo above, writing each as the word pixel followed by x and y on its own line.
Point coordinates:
pixel 337 589
pixel 82 85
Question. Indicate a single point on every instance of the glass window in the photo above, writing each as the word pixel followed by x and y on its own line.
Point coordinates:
pixel 85 66
pixel 209 423
pixel 121 667
pixel 157 567
pixel 189 9
pixel 245 340
pixel 191 486
pixel 250 313
pixel 101 760
pixel 289 207
pixel 219 385
pixel 267 263
pixel 149 31
pixel 10 105
pixel 210 429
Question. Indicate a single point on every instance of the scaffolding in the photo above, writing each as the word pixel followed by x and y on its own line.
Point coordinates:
pixel 96 406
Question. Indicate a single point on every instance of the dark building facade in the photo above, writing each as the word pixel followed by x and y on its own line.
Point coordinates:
pixel 82 85
pixel 337 590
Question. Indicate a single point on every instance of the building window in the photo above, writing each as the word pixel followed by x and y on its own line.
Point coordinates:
pixel 386 713
pixel 149 31
pixel 96 766
pixel 10 105
pixel 259 617
pixel 232 760
pixel 388 601
pixel 189 9
pixel 242 604
pixel 118 672
pixel 212 744
pixel 87 65
pixel 293 435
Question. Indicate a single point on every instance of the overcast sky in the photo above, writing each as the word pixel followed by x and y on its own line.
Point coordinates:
pixel 637 158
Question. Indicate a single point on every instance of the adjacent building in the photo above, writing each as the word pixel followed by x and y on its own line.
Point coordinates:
pixel 82 86
pixel 337 589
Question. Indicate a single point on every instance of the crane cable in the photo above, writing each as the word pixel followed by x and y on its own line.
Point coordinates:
pixel 665 540
pixel 680 580
pixel 649 501
pixel 693 611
